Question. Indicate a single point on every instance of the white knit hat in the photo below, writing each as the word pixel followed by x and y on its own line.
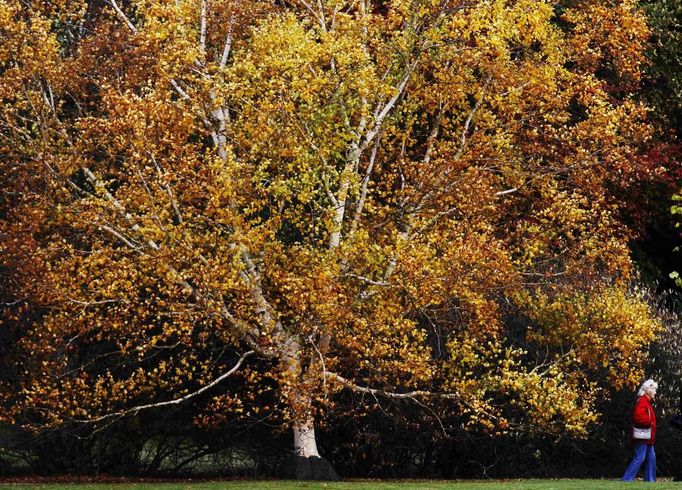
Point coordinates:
pixel 647 387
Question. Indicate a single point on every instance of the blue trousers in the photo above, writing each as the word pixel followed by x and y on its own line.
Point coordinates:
pixel 644 453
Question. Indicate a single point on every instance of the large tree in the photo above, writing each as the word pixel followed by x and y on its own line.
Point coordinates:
pixel 314 197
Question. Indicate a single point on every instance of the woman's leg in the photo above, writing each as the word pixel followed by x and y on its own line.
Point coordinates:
pixel 650 464
pixel 637 460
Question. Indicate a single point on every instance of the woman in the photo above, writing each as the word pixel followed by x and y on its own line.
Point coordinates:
pixel 644 417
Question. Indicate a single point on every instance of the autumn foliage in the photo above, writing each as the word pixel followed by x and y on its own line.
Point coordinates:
pixel 354 195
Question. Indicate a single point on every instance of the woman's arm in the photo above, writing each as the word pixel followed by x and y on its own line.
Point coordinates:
pixel 641 416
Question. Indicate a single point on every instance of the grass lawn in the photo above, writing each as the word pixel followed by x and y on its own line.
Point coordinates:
pixel 363 485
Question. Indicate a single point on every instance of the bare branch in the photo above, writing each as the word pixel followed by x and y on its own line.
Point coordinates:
pixel 97 184
pixel 90 303
pixel 202 33
pixel 228 44
pixel 123 16
pixel 366 279
pixel 409 395
pixel 363 189
pixel 330 194
pixel 152 198
pixel 119 236
pixel 508 191
pixel 355 152
pixel 386 109
pixel 218 136
pixel 312 12
pixel 167 188
pixel 438 185
pixel 465 130
pixel 175 401
pixel 180 90
pixel 389 394
pixel 433 135
pixel 322 18
pixel 130 25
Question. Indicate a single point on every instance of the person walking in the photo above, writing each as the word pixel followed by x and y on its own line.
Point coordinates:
pixel 643 434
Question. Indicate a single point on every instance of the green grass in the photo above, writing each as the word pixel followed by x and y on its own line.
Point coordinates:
pixel 365 485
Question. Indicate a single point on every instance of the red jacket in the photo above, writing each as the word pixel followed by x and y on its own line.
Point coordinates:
pixel 643 416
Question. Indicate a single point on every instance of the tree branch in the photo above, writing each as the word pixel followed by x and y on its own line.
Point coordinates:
pixel 167 188
pixel 363 188
pixel 366 279
pixel 312 12
pixel 267 314
pixel 176 401
pixel 123 16
pixel 388 394
pixel 508 191
pixel 467 125
pixel 410 395
pixel 383 112
pixel 119 236
pixel 202 30
pixel 97 184
pixel 228 44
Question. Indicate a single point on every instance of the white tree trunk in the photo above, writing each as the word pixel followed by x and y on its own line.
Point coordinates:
pixel 300 401
pixel 305 443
